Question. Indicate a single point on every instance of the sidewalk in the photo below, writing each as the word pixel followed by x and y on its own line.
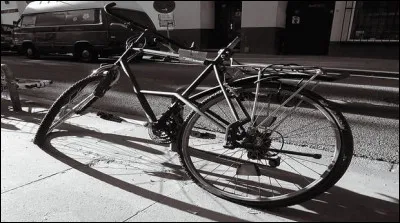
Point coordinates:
pixel 115 173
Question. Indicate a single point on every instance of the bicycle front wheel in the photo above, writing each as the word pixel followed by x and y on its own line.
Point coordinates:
pixel 71 103
pixel 295 147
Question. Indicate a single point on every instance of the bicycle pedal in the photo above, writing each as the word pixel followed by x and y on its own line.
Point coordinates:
pixel 109 117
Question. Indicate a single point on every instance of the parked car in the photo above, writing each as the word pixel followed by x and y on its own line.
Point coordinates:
pixel 7 42
pixel 78 27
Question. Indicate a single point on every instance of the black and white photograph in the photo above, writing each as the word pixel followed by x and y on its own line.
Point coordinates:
pixel 193 111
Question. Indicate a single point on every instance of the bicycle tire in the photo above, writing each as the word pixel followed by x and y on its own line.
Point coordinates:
pixel 62 101
pixel 343 153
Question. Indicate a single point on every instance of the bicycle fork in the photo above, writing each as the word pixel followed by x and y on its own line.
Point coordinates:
pixel 111 76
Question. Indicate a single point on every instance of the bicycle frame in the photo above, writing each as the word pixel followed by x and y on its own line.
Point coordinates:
pixel 211 65
pixel 184 97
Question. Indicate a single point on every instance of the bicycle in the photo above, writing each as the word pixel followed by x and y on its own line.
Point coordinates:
pixel 241 142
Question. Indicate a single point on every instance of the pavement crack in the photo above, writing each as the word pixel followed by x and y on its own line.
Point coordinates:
pixel 138 212
pixel 60 172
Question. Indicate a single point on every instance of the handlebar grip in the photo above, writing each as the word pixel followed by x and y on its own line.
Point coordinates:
pixel 233 43
pixel 109 6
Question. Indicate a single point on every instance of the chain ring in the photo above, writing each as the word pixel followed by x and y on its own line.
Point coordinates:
pixel 158 136
pixel 163 133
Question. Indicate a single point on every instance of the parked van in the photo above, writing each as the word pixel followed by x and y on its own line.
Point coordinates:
pixel 78 27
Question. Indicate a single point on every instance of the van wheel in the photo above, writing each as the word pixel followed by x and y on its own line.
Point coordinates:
pixel 31 52
pixel 86 54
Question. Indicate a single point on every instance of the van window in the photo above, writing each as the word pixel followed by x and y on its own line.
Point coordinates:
pixel 82 17
pixel 28 21
pixel 50 19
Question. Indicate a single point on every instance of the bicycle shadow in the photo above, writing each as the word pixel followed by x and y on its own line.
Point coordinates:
pixel 137 190
pixel 11 120
pixel 338 204
pixel 126 141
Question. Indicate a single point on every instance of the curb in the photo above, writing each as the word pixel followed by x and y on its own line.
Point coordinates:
pixel 375 73
pixel 332 70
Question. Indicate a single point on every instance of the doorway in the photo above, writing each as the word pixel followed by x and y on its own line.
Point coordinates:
pixel 228 21
pixel 308 27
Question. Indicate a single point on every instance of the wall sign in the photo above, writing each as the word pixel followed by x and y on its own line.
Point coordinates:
pixel 295 20
pixel 166 20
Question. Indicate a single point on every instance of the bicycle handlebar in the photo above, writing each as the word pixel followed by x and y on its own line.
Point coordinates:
pixel 108 11
pixel 140 26
pixel 234 42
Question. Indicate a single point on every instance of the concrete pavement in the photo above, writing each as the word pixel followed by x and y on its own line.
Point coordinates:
pixel 106 171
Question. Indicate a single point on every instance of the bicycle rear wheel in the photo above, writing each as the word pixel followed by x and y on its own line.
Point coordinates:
pixel 71 103
pixel 297 152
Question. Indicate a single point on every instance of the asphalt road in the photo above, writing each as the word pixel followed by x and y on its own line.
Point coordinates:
pixel 369 103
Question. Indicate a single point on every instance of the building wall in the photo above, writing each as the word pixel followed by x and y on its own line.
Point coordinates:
pixel 263 24
pixel 194 21
pixel 8 18
pixel 262 27
pixel 10 5
pixel 9 12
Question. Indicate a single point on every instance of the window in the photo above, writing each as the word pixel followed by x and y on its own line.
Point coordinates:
pixel 82 17
pixel 50 19
pixel 28 21
pixel 375 21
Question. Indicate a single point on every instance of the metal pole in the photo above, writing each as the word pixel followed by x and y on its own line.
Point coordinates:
pixel 12 87
pixel 168 33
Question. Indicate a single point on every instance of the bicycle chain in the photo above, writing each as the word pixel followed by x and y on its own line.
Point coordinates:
pixel 166 130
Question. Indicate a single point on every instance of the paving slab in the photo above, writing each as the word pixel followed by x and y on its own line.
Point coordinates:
pixel 97 170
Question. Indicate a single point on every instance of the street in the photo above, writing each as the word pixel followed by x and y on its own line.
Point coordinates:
pixel 369 103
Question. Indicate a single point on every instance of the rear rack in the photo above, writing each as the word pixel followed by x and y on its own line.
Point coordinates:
pixel 284 71
pixel 288 71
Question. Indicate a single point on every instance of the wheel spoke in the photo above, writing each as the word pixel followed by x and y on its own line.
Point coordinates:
pixel 240 173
